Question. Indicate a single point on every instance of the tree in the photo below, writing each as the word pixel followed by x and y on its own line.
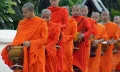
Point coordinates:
pixel 6 11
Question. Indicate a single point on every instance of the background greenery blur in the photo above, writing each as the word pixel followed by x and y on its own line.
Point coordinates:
pixel 11 14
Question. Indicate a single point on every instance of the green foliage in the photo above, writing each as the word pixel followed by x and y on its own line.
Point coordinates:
pixel 5 11
pixel 11 14
pixel 114 13
pixel 70 3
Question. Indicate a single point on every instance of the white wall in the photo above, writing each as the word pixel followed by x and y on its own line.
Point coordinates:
pixel 6 37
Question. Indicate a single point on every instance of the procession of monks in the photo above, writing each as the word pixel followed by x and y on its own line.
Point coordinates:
pixel 58 42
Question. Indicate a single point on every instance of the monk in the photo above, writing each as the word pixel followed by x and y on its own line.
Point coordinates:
pixel 84 11
pixel 112 28
pixel 59 15
pixel 117 21
pixel 53 37
pixel 32 32
pixel 81 56
pixel 69 35
pixel 116 53
pixel 94 62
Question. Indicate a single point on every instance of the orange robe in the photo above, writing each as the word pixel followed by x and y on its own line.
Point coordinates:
pixel 94 29
pixel 94 62
pixel 81 56
pixel 69 34
pixel 35 31
pixel 59 15
pixel 53 37
pixel 118 67
pixel 116 58
pixel 93 26
pixel 106 60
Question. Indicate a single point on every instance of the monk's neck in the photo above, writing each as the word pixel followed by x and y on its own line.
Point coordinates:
pixel 104 22
pixel 119 25
pixel 33 16
pixel 56 6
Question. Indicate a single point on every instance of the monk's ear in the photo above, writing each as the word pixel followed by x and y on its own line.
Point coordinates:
pixel 32 10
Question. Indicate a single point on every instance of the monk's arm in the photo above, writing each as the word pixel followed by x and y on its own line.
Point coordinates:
pixel 88 33
pixel 115 37
pixel 64 22
pixel 55 38
pixel 42 40
pixel 73 33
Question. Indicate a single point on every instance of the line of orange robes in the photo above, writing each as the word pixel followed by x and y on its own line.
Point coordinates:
pixel 61 60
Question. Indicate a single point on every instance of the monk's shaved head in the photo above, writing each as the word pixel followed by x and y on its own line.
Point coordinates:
pixel 76 10
pixel 46 14
pixel 105 12
pixel 66 7
pixel 84 10
pixel 95 16
pixel 46 11
pixel 28 10
pixel 116 19
pixel 29 6
pixel 77 5
pixel 95 13
pixel 105 16
pixel 84 6
pixel 116 16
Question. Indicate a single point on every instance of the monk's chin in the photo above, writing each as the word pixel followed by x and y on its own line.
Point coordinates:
pixel 75 15
pixel 54 5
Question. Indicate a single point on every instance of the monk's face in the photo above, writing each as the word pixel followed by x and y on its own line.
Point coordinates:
pixel 116 20
pixel 46 16
pixel 27 13
pixel 105 16
pixel 76 11
pixel 84 11
pixel 95 17
pixel 54 3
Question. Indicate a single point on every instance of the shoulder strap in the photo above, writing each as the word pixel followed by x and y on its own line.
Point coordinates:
pixel 81 21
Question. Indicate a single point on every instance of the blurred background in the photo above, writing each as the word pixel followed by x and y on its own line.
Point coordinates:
pixel 11 14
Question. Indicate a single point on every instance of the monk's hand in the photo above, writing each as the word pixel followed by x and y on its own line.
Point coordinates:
pixel 80 36
pixel 26 43
pixel 109 41
pixel 114 41
pixel 95 43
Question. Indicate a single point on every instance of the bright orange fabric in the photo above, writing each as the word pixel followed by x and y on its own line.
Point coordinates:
pixel 115 61
pixel 118 67
pixel 35 31
pixel 106 60
pixel 119 32
pixel 53 37
pixel 59 15
pixel 94 62
pixel 112 29
pixel 69 34
pixel 116 58
pixel 81 56
pixel 93 26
